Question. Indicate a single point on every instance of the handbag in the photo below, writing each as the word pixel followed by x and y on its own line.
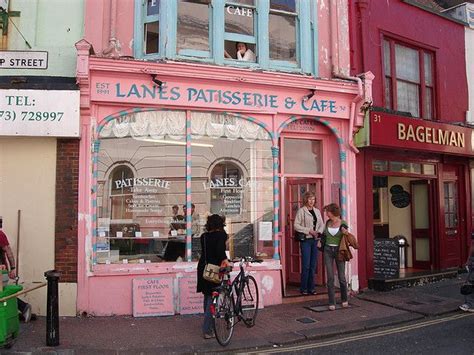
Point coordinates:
pixel 322 241
pixel 300 237
pixel 211 271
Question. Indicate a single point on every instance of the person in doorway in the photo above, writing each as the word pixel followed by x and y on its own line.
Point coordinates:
pixel 243 53
pixel 334 230
pixel 7 261
pixel 213 246
pixel 309 221
pixel 195 227
pixel 468 305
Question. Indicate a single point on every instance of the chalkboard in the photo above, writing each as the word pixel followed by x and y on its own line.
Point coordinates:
pixel 386 259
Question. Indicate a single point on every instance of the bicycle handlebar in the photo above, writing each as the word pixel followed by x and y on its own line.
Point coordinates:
pixel 248 259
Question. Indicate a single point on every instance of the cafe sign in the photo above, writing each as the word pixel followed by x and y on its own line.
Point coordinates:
pixel 39 113
pixel 388 130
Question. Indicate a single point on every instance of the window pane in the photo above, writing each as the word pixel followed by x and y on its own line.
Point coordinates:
pixel 239 19
pixel 388 92
pixel 428 169
pixel 386 57
pixel 399 166
pixel 308 163
pixel 428 103
pixel 153 7
pixel 407 63
pixel 428 69
pixel 141 168
pixel 283 5
pixel 282 37
pixel 232 169
pixel 379 165
pixel 193 25
pixel 151 37
pixel 408 98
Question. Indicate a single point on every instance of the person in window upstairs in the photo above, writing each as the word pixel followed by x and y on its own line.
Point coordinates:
pixel 309 221
pixel 243 53
pixel 334 230
pixel 213 246
pixel 6 254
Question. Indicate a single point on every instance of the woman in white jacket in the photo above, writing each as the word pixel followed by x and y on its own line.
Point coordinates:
pixel 309 221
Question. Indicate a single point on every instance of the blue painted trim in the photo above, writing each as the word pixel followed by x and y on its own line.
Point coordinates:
pixel 168 28
pixel 218 31
pixel 138 32
pixel 239 38
pixel 304 35
pixel 263 38
pixel 276 256
pixel 315 39
pixel 194 53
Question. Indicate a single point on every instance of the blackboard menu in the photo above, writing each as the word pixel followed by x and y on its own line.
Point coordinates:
pixel 386 259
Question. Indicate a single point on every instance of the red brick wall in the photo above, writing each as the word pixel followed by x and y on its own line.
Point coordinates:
pixel 67 179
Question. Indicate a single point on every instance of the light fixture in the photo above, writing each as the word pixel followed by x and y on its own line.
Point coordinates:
pixel 310 95
pixel 156 80
pixel 166 141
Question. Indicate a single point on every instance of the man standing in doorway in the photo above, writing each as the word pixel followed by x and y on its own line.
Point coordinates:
pixel 6 254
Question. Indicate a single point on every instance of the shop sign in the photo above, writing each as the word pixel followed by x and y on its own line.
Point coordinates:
pixel 153 297
pixel 231 96
pixel 190 301
pixel 389 130
pixel 40 113
pixel 23 60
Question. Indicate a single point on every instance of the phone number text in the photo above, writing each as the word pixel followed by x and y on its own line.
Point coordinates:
pixel 12 116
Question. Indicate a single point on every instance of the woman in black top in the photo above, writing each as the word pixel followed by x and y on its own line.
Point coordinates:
pixel 213 252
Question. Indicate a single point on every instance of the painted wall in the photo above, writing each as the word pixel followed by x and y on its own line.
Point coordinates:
pixel 27 183
pixel 48 25
pixel 444 37
pixel 469 34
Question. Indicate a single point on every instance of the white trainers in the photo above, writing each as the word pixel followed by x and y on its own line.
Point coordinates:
pixel 466 308
pixel 27 313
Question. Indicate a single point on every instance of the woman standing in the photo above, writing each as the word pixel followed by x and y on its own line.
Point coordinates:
pixel 334 230
pixel 213 252
pixel 309 221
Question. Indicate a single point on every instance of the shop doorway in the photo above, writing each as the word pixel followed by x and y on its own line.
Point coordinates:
pixel 295 189
pixel 421 223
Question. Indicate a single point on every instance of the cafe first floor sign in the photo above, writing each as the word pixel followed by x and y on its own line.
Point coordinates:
pixel 40 113
pixel 153 296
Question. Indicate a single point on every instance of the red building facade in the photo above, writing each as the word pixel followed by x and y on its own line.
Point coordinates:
pixel 414 169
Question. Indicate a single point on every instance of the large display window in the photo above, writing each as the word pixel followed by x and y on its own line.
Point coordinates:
pixel 141 186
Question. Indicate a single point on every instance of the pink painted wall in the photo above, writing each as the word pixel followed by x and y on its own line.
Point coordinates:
pixel 407 22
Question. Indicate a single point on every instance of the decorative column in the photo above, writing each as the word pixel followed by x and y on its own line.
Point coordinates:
pixel 276 203
pixel 189 231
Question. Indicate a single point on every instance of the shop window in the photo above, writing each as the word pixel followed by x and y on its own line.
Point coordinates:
pixel 239 32
pixel 408 79
pixel 429 169
pixel 193 28
pixel 379 165
pixel 232 174
pixel 297 163
pixel 145 153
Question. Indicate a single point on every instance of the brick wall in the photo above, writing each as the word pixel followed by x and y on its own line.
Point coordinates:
pixel 67 178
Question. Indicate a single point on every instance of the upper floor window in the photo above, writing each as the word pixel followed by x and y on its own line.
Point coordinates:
pixel 266 34
pixel 408 79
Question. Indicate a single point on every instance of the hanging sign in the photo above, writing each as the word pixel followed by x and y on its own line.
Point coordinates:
pixel 23 60
pixel 40 113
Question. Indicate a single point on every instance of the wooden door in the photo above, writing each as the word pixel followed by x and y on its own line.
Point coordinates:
pixel 421 223
pixel 452 235
pixel 295 189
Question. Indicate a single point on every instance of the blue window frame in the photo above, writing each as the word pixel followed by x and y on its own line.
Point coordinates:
pixel 273 34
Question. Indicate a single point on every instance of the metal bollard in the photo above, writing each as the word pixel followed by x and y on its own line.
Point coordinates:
pixel 52 312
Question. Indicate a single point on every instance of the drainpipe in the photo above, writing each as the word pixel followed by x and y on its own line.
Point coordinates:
pixel 336 72
pixel 113 49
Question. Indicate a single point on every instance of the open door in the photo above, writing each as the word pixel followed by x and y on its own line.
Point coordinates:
pixel 296 188
pixel 421 224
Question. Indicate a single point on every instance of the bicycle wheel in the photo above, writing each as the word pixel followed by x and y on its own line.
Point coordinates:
pixel 223 318
pixel 249 304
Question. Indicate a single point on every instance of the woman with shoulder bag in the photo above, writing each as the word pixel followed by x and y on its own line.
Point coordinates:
pixel 308 222
pixel 334 230
pixel 213 246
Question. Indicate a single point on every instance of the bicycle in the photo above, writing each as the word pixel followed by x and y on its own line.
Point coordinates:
pixel 234 299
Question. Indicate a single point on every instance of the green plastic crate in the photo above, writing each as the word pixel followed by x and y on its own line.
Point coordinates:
pixel 9 321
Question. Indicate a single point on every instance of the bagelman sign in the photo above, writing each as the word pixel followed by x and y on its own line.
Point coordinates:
pixel 388 130
pixel 39 113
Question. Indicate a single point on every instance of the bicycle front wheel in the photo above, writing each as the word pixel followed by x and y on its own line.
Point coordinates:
pixel 223 318
pixel 250 301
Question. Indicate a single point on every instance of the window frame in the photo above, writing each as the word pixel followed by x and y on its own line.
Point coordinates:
pixel 422 50
pixel 306 32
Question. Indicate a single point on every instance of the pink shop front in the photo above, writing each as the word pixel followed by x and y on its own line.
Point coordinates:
pixel 164 145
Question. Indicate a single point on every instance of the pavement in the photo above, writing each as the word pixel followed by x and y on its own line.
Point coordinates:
pixel 276 325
